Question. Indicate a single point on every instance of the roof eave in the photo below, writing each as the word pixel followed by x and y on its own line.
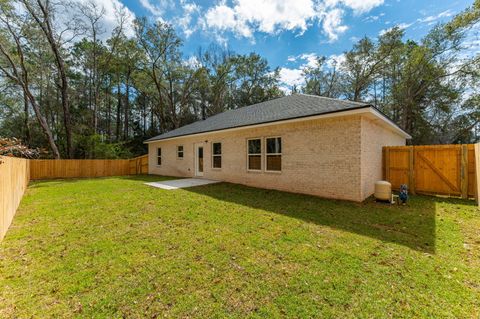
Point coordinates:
pixel 376 112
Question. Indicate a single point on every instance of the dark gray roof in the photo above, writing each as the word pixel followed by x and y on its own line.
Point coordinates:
pixel 284 108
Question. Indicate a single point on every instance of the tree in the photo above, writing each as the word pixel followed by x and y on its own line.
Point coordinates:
pixel 41 13
pixel 214 79
pixel 160 45
pixel 254 81
pixel 364 63
pixel 16 68
pixel 322 80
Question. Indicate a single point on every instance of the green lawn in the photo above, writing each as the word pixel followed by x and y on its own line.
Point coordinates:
pixel 113 247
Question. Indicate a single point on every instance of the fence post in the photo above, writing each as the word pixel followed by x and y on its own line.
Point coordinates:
pixel 411 169
pixel 477 173
pixel 464 170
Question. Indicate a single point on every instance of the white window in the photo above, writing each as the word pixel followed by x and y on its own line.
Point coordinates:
pixel 159 156
pixel 180 151
pixel 254 154
pixel 217 155
pixel 273 154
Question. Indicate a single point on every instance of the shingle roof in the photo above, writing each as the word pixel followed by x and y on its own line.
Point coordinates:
pixel 284 108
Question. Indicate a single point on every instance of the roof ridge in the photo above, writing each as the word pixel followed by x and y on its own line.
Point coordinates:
pixel 271 100
pixel 332 98
pixel 246 107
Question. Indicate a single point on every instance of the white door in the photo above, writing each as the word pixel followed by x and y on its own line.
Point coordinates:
pixel 199 159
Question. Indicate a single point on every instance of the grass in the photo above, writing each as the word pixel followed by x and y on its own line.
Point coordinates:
pixel 114 247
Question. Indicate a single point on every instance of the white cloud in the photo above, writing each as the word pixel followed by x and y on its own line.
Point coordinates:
pixel 158 7
pixel 108 22
pixel 335 59
pixel 362 6
pixel 358 6
pixel 245 17
pixel 192 62
pixel 223 18
pixel 310 58
pixel 110 19
pixel 354 39
pixel 185 21
pixel 268 16
pixel 294 76
pixel 383 31
pixel 471 43
pixel 291 77
pixel 429 20
pixel 402 26
pixel 373 18
pixel 153 9
pixel 433 18
pixel 332 24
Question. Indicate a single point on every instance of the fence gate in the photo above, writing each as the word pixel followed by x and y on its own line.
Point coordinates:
pixel 432 169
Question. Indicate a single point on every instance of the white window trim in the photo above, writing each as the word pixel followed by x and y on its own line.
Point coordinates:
pixel 266 155
pixel 161 155
pixel 218 155
pixel 183 152
pixel 255 154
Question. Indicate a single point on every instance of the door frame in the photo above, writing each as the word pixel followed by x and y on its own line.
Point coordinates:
pixel 196 158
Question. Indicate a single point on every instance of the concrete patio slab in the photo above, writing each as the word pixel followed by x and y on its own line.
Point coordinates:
pixel 181 183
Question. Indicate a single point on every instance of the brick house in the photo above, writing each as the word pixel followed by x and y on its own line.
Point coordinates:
pixel 298 143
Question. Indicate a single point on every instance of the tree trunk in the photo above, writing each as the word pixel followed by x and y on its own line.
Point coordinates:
pixel 26 124
pixel 144 115
pixel 203 108
pixel 127 106
pixel 21 79
pixel 119 107
pixel 95 84
pixel 109 112
pixel 45 24
pixel 43 123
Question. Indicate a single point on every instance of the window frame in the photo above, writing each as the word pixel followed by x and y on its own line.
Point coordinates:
pixel 159 156
pixel 182 151
pixel 274 154
pixel 255 154
pixel 217 155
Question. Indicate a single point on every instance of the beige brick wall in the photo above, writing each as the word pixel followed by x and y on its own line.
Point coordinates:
pixel 320 157
pixel 374 137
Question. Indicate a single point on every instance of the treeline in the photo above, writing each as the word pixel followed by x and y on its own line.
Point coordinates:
pixel 68 87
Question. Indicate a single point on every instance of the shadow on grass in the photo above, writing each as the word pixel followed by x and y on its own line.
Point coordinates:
pixel 412 225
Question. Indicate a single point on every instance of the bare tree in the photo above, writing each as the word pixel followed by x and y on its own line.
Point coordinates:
pixel 93 13
pixel 14 67
pixel 41 12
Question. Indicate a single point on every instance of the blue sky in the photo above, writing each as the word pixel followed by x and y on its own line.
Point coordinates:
pixel 290 33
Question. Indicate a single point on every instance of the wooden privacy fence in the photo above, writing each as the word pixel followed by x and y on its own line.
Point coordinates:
pixel 433 169
pixel 47 169
pixel 138 165
pixel 14 177
pixel 15 173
